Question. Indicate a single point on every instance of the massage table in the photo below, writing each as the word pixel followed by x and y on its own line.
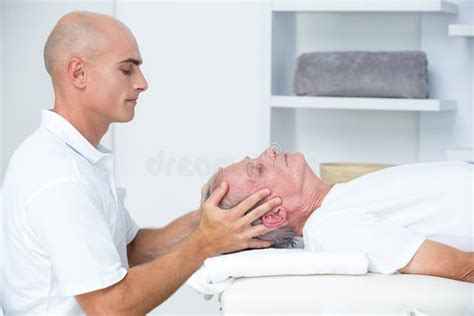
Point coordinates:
pixel 367 294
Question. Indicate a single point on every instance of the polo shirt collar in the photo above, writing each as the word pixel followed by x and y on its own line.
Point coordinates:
pixel 59 126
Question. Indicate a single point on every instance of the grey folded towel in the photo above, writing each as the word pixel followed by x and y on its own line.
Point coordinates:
pixel 362 74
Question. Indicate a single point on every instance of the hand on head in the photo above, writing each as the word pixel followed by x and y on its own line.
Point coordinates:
pixel 289 178
pixel 232 230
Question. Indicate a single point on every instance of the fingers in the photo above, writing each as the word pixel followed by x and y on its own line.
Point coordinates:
pixel 249 202
pixel 257 244
pixel 262 210
pixel 218 194
pixel 259 230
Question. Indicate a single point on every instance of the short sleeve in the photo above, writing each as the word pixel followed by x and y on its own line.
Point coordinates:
pixel 76 238
pixel 388 245
pixel 131 227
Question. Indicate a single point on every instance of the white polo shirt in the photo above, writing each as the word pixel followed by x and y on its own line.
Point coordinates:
pixel 65 226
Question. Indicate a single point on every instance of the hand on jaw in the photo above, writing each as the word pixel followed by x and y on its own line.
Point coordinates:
pixel 231 230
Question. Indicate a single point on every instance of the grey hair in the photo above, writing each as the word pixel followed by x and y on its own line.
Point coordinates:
pixel 283 237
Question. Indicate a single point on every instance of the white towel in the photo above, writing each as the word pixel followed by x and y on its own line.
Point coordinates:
pixel 217 273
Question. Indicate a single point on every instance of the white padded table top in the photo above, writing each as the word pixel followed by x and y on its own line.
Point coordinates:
pixel 370 294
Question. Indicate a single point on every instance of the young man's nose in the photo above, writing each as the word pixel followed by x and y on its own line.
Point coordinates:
pixel 141 84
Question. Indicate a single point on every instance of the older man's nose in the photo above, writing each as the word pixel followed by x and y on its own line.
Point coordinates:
pixel 268 153
pixel 271 151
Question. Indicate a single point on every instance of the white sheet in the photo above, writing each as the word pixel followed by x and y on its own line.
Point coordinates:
pixel 343 295
pixel 218 273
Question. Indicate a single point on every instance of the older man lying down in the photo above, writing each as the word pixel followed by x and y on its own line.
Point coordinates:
pixel 414 218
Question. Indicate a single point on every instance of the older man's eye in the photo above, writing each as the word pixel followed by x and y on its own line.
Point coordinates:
pixel 260 168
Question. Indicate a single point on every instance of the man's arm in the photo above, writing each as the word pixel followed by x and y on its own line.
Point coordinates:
pixel 151 243
pixel 437 259
pixel 148 285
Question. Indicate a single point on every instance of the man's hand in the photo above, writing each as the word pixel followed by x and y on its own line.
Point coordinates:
pixel 437 259
pixel 148 285
pixel 231 230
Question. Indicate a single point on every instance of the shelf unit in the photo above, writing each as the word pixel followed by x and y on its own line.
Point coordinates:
pixel 289 18
pixel 344 103
pixel 416 6
pixel 466 30
pixel 364 6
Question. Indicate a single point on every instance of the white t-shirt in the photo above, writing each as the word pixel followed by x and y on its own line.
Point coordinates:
pixel 389 213
pixel 65 226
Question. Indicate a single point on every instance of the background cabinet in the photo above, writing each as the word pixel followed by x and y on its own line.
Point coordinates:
pixel 373 130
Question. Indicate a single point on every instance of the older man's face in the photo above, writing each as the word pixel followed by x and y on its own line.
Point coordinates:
pixel 283 174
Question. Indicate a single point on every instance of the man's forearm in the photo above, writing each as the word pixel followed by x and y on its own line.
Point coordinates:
pixel 151 243
pixel 148 285
pixel 468 274
pixel 437 259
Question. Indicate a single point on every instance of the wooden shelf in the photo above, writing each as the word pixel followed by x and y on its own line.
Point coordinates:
pixel 440 6
pixel 461 30
pixel 382 104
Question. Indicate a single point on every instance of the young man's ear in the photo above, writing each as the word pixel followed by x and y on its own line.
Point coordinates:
pixel 275 217
pixel 76 72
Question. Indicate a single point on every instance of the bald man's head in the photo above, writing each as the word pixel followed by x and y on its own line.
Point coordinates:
pixel 77 34
pixel 94 62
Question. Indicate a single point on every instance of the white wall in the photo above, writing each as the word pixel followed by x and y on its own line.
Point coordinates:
pixel 451 76
pixel 1 90
pixel 207 66
pixel 1 156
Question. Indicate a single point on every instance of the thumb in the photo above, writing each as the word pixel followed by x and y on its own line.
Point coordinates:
pixel 218 194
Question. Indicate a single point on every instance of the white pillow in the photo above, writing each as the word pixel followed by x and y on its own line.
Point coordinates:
pixel 219 272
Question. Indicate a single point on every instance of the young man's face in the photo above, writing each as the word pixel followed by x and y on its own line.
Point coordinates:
pixel 115 79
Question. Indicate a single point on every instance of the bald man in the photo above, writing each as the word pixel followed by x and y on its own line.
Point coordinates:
pixel 70 246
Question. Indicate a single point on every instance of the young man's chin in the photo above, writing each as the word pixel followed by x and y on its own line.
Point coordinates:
pixel 126 119
pixel 127 115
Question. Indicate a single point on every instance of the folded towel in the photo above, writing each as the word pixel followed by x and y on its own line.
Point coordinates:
pixel 218 273
pixel 362 74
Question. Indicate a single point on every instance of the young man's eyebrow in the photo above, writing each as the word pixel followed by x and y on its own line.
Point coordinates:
pixel 134 61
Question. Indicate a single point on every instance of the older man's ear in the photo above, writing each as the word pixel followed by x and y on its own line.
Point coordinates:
pixel 275 217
